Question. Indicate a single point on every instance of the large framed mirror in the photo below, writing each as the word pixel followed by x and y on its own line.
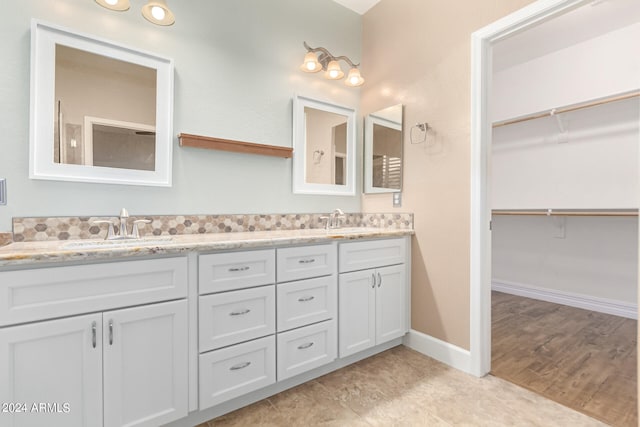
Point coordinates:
pixel 324 140
pixel 100 111
pixel 383 151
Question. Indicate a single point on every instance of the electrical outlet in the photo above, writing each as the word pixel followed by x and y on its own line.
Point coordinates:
pixel 3 191
pixel 397 200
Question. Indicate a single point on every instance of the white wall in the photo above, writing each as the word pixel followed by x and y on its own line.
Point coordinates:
pixel 592 69
pixel 236 72
pixel 595 168
pixel 597 258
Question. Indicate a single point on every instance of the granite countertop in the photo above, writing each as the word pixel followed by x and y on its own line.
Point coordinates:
pixel 77 250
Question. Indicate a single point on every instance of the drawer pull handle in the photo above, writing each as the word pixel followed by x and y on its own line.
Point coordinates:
pixel 305 299
pixel 239 313
pixel 307 261
pixel 304 346
pixel 239 366
pixel 93 334
pixel 379 280
pixel 110 331
pixel 235 269
pixel 373 280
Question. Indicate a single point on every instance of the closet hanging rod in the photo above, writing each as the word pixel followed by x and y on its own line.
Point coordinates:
pixel 568 109
pixel 567 213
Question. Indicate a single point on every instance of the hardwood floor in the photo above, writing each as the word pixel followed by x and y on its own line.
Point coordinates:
pixel 582 359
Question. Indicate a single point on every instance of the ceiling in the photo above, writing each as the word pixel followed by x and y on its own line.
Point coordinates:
pixel 360 6
pixel 584 23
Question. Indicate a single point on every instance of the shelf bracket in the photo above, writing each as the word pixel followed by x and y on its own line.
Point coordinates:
pixel 563 136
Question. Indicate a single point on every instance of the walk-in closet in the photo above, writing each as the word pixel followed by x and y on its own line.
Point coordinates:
pixel 565 185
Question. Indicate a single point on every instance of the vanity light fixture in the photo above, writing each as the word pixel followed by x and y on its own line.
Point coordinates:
pixel 314 62
pixel 155 11
pixel 117 5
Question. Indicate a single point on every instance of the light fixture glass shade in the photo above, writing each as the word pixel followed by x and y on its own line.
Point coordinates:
pixel 354 78
pixel 310 63
pixel 117 5
pixel 157 12
pixel 334 72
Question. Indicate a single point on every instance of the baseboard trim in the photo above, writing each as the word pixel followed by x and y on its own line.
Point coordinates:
pixel 442 351
pixel 587 302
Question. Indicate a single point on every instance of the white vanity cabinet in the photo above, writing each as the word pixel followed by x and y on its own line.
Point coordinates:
pixel 115 367
pixel 373 289
pixel 237 323
pixel 307 301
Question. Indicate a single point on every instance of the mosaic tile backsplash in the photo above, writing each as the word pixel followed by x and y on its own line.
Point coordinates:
pixel 72 228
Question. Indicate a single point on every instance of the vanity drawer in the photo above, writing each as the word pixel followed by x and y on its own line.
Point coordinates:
pixel 306 301
pixel 231 317
pixel 306 348
pixel 44 293
pixel 370 254
pixel 236 270
pixel 306 262
pixel 234 371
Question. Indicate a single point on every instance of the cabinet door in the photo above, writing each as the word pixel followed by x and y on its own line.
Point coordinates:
pixel 145 365
pixel 390 303
pixel 57 364
pixel 357 311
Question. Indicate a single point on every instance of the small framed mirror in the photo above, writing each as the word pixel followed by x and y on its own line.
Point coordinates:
pixel 383 151
pixel 100 112
pixel 324 139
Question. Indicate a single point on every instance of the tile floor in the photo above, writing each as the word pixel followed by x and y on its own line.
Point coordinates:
pixel 401 387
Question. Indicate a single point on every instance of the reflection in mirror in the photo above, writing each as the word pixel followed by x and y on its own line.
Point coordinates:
pixel 324 148
pixel 326 137
pixel 100 112
pixel 383 150
pixel 113 100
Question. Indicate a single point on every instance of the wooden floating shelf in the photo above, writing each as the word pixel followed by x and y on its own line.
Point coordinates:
pixel 567 213
pixel 197 141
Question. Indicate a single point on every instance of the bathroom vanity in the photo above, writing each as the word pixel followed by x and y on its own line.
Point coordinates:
pixel 188 329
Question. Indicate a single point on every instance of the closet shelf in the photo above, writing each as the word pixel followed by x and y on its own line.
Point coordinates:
pixel 568 109
pixel 187 140
pixel 551 212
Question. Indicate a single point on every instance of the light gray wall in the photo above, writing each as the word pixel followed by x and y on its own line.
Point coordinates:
pixel 236 71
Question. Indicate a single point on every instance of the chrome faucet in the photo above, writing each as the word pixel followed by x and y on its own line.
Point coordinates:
pixel 122 227
pixel 334 219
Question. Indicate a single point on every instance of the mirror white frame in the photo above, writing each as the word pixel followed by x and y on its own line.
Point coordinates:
pixel 300 186
pixel 369 121
pixel 44 38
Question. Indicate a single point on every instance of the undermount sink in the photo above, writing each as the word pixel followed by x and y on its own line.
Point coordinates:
pixel 340 232
pixel 125 243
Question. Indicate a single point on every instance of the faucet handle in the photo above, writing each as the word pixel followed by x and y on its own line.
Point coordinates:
pixel 135 233
pixel 110 229
pixel 327 221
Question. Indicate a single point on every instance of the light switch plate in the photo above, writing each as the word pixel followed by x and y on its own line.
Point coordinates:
pixel 397 200
pixel 3 191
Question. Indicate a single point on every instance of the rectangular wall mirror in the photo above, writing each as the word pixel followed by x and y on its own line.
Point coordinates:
pixel 100 112
pixel 383 151
pixel 324 139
